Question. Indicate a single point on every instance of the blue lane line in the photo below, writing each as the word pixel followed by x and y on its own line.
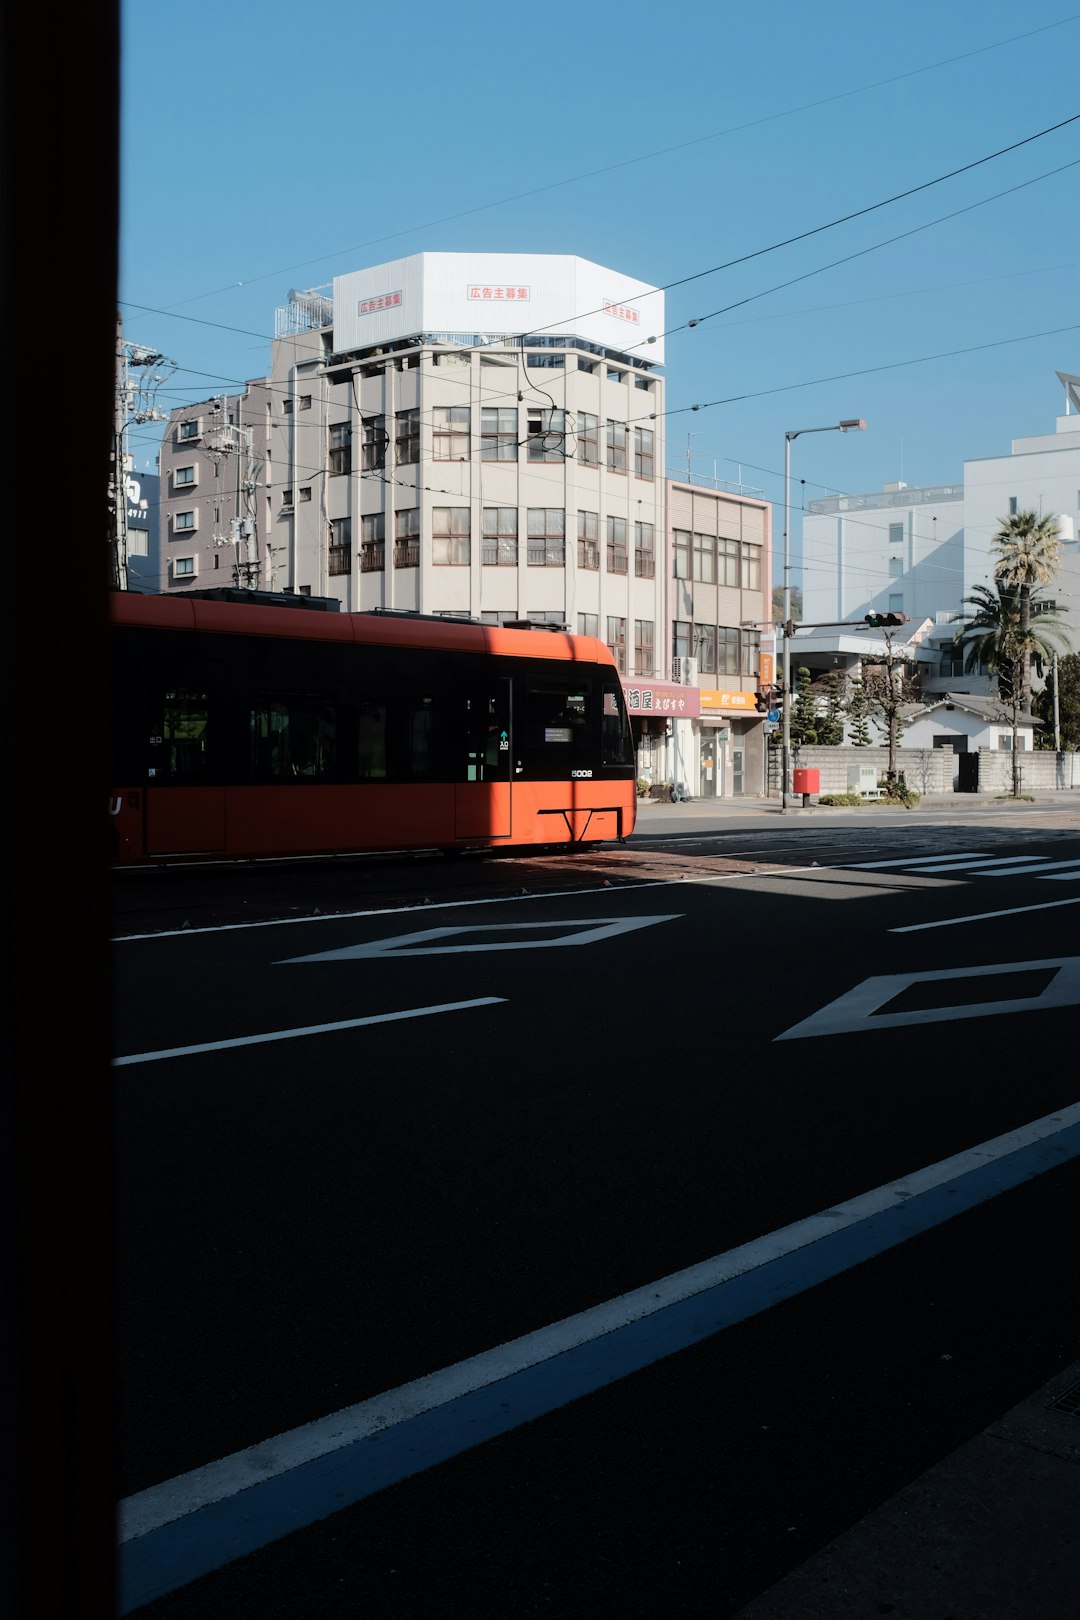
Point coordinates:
pixel 175 1554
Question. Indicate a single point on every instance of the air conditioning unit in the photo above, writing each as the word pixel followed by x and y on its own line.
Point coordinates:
pixel 684 671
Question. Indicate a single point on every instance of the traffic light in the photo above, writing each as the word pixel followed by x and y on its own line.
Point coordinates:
pixel 763 701
pixel 883 621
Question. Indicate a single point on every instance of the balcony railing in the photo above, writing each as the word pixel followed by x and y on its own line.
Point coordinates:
pixel 616 560
pixel 340 559
pixel 547 554
pixel 588 554
pixel 644 564
pixel 372 556
pixel 406 554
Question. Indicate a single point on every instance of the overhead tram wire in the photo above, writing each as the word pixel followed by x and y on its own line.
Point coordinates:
pixel 645 157
pixel 784 388
pixel 521 337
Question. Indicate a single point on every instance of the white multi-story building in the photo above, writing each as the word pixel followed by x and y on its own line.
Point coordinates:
pixel 483 435
pixel 922 551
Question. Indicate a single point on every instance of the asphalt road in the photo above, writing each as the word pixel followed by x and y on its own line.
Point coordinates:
pixel 379 1119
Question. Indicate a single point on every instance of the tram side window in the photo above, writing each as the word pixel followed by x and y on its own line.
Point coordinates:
pixel 617 745
pixel 558 724
pixel 371 738
pixel 184 729
pixel 293 739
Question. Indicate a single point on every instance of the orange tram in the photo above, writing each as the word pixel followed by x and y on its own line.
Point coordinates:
pixel 249 725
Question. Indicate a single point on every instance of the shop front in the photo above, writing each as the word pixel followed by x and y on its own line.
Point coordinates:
pixel 729 736
pixel 662 718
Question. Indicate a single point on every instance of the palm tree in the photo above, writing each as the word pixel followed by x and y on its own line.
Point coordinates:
pixel 994 638
pixel 1028 555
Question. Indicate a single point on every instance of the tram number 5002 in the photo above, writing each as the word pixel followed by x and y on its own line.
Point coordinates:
pixel 579 774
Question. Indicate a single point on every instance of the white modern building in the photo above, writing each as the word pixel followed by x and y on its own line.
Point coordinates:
pixel 922 551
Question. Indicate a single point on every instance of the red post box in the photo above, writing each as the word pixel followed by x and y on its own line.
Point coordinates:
pixel 806 781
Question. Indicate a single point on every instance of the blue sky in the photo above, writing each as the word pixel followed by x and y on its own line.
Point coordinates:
pixel 264 149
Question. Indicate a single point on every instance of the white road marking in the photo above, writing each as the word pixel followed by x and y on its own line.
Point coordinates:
pixel 983 916
pixel 310 1029
pixel 1013 866
pixel 857 1009
pixel 586 931
pixel 176 1498
pixel 916 860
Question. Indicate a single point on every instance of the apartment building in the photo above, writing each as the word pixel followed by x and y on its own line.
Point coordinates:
pixel 214 467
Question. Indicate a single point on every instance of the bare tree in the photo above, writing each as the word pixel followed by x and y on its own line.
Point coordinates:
pixel 890 688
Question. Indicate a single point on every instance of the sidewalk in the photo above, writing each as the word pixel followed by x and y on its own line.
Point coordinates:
pixel 991 1533
pixel 753 805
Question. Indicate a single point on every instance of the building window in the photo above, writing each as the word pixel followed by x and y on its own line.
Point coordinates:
pixel 644 440
pixel 407 537
pixel 546 435
pixel 616 446
pixel 614 375
pixel 183 477
pixel 680 639
pixel 287 407
pixel 588 439
pixel 644 551
pixel 188 430
pixel 450 535
pixel 727 651
pixel 407 437
pixel 727 562
pixel 1012 505
pixel 138 544
pixel 705 643
pixel 896 534
pixel 588 540
pixel 341 546
pixel 1043 605
pixel 643 647
pixel 450 433
pixel 305 402
pixel 680 554
pixel 896 601
pixel 305 492
pixel 183 522
pixel 340 447
pixel 616 545
pixel 751 568
pixel 616 640
pixel 183 567
pixel 286 500
pixel 590 365
pixel 643 382
pixel 896 567
pixel 1005 742
pixel 373 444
pixel 547 537
pixel 588 624
pixel 552 362
pixel 705 558
pixel 751 652
pixel 499 547
pixel 498 433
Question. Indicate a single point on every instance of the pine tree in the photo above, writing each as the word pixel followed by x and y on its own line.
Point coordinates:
pixel 858 712
pixel 830 725
pixel 804 717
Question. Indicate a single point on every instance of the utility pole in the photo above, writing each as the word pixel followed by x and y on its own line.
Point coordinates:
pixel 134 402
pixel 226 439
pixel 1057 711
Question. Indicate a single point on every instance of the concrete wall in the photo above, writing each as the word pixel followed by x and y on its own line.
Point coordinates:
pixel 934 770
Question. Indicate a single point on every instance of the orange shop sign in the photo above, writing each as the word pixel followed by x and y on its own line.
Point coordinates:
pixel 728 702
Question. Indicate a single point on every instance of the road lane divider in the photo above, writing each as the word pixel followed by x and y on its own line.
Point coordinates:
pixel 186 1528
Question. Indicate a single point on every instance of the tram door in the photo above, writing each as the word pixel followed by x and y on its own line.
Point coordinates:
pixel 482 788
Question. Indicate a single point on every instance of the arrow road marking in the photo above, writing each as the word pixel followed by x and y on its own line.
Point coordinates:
pixel 858 1008
pixel 430 941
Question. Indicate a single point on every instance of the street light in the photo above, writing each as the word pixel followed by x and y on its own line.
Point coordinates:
pixel 855 424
